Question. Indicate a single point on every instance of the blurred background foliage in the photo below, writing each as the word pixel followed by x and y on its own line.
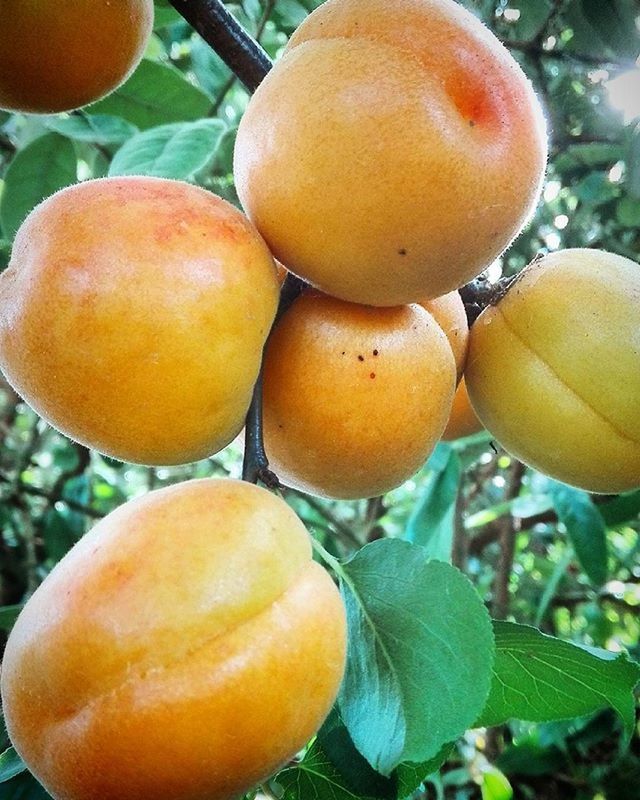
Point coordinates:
pixel 538 552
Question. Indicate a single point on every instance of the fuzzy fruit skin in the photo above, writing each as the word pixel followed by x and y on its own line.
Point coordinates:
pixel 133 315
pixel 463 420
pixel 449 312
pixel 60 56
pixel 184 649
pixel 554 369
pixel 355 397
pixel 389 158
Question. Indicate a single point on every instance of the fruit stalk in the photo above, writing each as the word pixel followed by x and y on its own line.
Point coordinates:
pixel 239 51
pixel 255 464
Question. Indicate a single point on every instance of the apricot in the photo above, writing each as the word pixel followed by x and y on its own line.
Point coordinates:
pixel 355 397
pixel 133 315
pixel 390 157
pixel 463 420
pixel 449 312
pixel 184 649
pixel 59 56
pixel 553 369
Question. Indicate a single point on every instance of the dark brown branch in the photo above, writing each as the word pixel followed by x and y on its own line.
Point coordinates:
pixel 240 52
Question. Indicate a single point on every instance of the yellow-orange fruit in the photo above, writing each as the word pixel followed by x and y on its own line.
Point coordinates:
pixel 58 56
pixel 183 650
pixel 463 420
pixel 553 369
pixel 449 312
pixel 133 315
pixel 390 156
pixel 355 397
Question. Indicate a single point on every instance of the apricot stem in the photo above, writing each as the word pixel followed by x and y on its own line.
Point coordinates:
pixel 480 293
pixel 239 51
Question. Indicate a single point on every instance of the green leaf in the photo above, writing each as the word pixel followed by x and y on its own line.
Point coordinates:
pixel 102 129
pixel 5 253
pixel 8 615
pixel 43 167
pixel 495 786
pixel 315 778
pixel 614 22
pixel 628 212
pixel 585 527
pixel 59 536
pixel 356 773
pixel 419 654
pixel 154 95
pixel 164 14
pixel 431 524
pixel 10 765
pixel 178 151
pixel 538 678
pixel 625 508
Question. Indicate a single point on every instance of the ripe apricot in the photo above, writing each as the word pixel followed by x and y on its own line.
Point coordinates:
pixel 59 56
pixel 355 397
pixel 463 420
pixel 554 369
pixel 393 152
pixel 449 312
pixel 183 650
pixel 133 315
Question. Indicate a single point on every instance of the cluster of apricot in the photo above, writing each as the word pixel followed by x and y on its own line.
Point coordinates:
pixel 388 158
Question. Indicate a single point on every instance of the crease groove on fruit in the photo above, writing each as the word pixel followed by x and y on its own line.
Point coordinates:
pixel 620 434
pixel 154 670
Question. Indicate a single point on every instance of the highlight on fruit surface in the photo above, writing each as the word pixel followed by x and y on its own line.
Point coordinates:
pixel 355 397
pixel 133 315
pixel 59 56
pixel 553 369
pixel 187 646
pixel 388 158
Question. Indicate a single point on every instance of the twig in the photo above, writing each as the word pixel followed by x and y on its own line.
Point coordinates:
pixel 239 51
pixel 228 84
pixel 255 465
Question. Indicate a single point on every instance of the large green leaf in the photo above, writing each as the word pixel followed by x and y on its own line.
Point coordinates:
pixel 179 150
pixel 625 508
pixel 102 129
pixel 614 22
pixel 585 527
pixel 333 769
pixel 315 778
pixel 419 655
pixel 44 166
pixel 538 678
pixel 432 522
pixel 155 94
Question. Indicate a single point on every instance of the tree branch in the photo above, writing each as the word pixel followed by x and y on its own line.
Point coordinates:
pixel 239 51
